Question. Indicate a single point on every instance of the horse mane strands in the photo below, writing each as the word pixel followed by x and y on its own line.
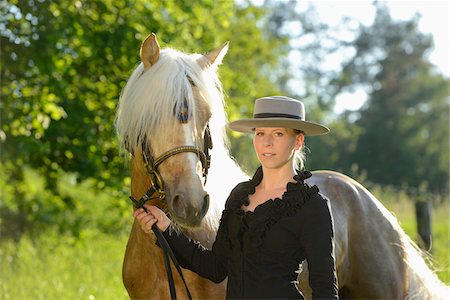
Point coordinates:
pixel 149 105
pixel 210 88
pixel 423 282
pixel 160 92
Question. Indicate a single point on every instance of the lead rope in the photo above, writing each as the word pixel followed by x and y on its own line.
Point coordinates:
pixel 167 251
pixel 151 165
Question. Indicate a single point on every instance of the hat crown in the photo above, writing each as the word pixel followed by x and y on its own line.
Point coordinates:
pixel 279 111
pixel 279 107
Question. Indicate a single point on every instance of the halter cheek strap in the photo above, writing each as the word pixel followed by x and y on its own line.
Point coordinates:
pixel 168 255
pixel 156 191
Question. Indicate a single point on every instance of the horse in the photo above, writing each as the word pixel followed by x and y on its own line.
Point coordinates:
pixel 174 100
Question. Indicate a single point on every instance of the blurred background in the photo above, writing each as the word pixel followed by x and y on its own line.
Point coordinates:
pixel 377 73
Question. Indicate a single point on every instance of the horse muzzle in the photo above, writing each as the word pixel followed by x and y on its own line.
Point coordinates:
pixel 186 210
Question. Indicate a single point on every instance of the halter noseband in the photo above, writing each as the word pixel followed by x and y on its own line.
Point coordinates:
pixel 156 190
pixel 153 164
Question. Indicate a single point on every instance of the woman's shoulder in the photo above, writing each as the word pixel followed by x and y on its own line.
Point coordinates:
pixel 303 191
pixel 313 200
pixel 239 194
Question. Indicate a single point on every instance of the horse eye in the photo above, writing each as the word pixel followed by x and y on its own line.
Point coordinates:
pixel 183 113
pixel 191 81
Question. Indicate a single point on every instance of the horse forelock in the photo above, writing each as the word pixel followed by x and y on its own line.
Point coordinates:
pixel 151 100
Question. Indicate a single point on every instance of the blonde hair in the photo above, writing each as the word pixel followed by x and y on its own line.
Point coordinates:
pixel 299 155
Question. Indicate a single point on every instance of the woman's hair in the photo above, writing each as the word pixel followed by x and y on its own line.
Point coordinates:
pixel 299 155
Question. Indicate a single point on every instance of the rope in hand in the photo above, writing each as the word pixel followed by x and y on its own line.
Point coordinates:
pixel 168 254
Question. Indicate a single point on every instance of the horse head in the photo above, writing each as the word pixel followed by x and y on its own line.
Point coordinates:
pixel 162 119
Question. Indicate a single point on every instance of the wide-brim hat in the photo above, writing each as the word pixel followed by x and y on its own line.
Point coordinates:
pixel 278 111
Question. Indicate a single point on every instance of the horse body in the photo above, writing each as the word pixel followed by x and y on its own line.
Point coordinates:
pixel 368 244
pixel 374 257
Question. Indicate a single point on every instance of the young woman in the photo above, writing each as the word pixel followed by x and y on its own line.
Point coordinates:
pixel 271 223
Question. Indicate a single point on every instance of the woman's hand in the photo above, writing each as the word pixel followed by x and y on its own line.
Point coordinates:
pixel 154 215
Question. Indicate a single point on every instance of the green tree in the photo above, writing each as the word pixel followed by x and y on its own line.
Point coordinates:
pixel 404 138
pixel 250 71
pixel 401 135
pixel 312 41
pixel 64 63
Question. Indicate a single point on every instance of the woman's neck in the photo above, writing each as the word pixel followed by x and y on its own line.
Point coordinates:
pixel 277 178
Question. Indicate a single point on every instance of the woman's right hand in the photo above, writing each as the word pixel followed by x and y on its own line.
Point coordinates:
pixel 154 216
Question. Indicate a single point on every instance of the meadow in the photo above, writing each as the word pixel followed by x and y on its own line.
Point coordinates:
pixel 87 265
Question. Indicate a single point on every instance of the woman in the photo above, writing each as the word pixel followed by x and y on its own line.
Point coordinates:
pixel 271 223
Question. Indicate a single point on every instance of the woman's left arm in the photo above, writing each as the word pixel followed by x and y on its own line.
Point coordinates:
pixel 317 236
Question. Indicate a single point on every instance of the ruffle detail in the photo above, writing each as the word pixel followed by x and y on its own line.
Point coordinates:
pixel 258 222
pixel 239 195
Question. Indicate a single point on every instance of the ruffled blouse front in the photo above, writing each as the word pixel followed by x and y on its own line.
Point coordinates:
pixel 259 221
pixel 261 251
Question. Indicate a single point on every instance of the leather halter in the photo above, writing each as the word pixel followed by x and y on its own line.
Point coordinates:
pixel 156 191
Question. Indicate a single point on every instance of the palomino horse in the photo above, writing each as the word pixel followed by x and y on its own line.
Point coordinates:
pixel 171 102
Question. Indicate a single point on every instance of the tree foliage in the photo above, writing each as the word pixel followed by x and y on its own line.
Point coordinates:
pixel 405 122
pixel 401 135
pixel 64 64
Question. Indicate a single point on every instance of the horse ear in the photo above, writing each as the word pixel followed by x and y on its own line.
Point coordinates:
pixel 150 51
pixel 214 57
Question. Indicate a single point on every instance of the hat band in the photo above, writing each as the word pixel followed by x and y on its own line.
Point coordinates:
pixel 272 115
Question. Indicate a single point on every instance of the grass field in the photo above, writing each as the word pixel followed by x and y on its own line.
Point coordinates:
pixel 403 209
pixel 55 266
pixel 61 267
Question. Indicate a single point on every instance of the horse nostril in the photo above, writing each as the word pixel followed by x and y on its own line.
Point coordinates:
pixel 178 206
pixel 205 205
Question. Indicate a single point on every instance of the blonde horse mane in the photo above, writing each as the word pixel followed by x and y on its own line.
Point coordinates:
pixel 162 92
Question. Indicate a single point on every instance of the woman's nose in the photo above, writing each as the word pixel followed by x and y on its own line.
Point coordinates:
pixel 268 141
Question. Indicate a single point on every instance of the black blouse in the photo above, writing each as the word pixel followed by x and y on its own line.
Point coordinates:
pixel 260 251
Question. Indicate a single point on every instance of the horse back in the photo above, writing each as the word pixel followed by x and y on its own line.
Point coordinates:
pixel 368 240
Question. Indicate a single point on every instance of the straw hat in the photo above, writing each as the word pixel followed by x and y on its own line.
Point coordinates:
pixel 278 111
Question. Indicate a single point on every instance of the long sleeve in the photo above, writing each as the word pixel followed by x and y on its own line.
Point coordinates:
pixel 317 239
pixel 211 264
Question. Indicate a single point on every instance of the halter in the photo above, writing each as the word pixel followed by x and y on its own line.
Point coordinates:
pixel 156 191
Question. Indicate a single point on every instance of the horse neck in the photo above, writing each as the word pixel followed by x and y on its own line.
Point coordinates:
pixel 224 174
pixel 141 249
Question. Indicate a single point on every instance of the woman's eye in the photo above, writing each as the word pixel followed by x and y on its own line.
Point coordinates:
pixel 259 134
pixel 279 134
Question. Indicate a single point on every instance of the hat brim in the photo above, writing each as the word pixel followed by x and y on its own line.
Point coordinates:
pixel 249 125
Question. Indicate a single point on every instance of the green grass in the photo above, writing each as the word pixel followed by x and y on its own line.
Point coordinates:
pixel 441 242
pixel 62 267
pixel 89 267
pixel 87 264
pixel 403 209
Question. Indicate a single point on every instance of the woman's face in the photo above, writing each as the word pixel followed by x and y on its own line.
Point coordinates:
pixel 275 147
